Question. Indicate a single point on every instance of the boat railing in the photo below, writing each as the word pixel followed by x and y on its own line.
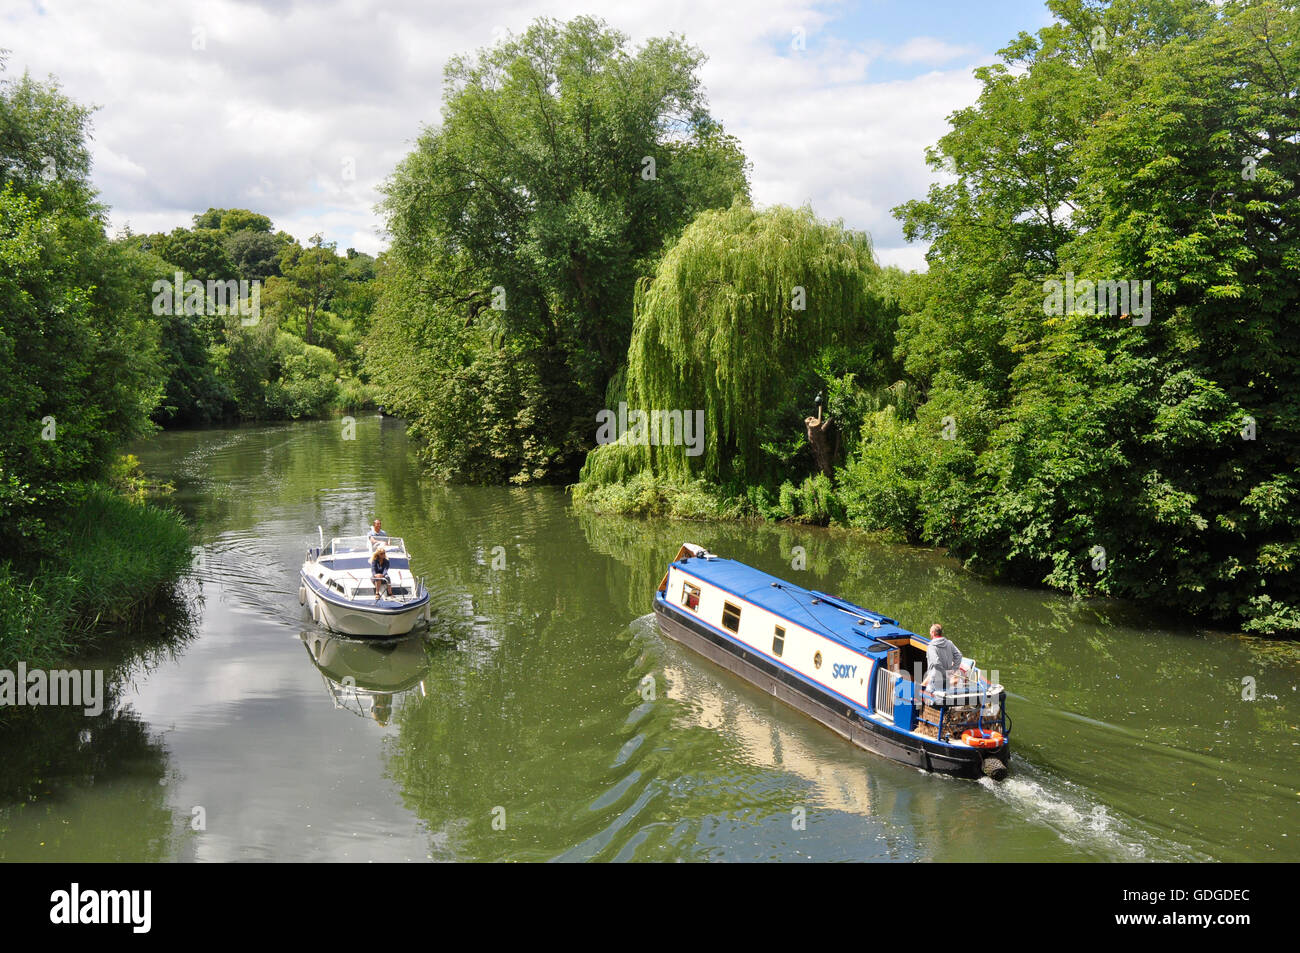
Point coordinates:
pixel 972 693
pixel 886 682
pixel 966 695
pixel 362 544
pixel 968 691
pixel 410 593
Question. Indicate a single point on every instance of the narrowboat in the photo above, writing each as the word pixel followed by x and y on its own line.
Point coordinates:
pixel 854 670
pixel 336 587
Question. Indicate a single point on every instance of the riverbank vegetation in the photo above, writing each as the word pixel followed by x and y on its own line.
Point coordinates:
pixel 103 340
pixel 564 161
pixel 1094 386
pixel 103 561
pixel 287 348
pixel 80 372
pixel 748 316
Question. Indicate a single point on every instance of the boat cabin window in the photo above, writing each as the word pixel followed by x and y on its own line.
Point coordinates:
pixel 730 617
pixel 691 596
pixel 778 641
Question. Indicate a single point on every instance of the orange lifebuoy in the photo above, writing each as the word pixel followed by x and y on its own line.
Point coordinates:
pixel 978 738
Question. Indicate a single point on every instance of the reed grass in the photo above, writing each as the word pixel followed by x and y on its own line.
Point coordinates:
pixel 105 561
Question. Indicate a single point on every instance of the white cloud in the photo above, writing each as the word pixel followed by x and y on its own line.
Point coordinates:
pixel 928 50
pixel 281 95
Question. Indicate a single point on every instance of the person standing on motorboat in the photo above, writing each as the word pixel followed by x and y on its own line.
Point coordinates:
pixel 943 660
pixel 379 572
pixel 376 533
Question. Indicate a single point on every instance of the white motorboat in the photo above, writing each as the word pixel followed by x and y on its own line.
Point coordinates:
pixel 337 589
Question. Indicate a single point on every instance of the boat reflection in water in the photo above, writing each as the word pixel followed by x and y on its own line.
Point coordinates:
pixel 766 741
pixel 907 822
pixel 369 679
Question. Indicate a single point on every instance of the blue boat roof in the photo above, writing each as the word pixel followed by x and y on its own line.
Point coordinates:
pixel 849 624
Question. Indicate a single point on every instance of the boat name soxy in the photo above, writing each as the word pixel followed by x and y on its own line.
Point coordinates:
pixel 56 687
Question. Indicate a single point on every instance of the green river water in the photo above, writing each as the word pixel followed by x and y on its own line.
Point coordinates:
pixel 522 725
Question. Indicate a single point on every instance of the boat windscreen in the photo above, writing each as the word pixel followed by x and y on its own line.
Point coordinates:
pixel 361 544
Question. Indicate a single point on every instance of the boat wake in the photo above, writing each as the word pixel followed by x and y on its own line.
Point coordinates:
pixel 857 783
pixel 1079 819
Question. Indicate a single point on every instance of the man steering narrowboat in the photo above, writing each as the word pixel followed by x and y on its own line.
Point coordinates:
pixel 943 660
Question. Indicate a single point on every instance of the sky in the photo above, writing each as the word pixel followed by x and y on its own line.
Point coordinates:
pixel 300 110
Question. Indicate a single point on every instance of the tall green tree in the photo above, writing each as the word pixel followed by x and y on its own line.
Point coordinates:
pixel 1139 141
pixel 255 255
pixel 78 349
pixel 735 323
pixel 564 161
pixel 230 220
pixel 313 275
pixel 198 252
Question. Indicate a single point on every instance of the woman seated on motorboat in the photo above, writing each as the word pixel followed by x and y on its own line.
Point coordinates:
pixel 379 573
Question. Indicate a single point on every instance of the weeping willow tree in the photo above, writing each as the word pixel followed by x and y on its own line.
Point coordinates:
pixel 727 332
